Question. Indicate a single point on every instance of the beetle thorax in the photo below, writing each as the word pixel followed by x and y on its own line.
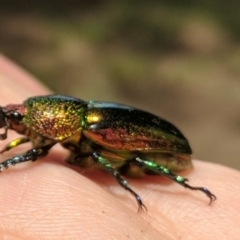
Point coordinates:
pixel 53 120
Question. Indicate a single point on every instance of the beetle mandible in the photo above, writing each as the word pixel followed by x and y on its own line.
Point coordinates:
pixel 119 139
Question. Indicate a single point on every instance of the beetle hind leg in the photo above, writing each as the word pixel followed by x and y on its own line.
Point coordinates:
pixel 121 181
pixel 182 181
pixel 176 178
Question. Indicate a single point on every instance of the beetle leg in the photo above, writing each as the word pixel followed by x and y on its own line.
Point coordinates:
pixel 176 178
pixel 31 155
pixel 15 143
pixel 121 181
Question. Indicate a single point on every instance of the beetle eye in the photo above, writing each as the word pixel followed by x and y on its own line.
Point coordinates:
pixel 15 116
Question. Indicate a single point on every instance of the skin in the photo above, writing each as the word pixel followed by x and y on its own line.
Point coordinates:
pixel 49 199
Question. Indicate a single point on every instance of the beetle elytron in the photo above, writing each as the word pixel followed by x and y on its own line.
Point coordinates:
pixel 120 139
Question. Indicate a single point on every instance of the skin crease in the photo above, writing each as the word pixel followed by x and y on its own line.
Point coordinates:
pixel 49 199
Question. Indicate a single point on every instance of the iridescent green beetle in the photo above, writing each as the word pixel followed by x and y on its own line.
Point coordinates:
pixel 120 139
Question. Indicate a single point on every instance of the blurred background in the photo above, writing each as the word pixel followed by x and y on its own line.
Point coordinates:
pixel 177 59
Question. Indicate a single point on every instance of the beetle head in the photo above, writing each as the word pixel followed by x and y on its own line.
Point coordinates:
pixel 10 118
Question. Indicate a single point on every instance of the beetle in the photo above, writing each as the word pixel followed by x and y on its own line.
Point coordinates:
pixel 119 139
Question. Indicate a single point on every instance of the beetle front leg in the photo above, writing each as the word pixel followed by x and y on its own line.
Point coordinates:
pixel 176 178
pixel 31 155
pixel 15 143
pixel 121 181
